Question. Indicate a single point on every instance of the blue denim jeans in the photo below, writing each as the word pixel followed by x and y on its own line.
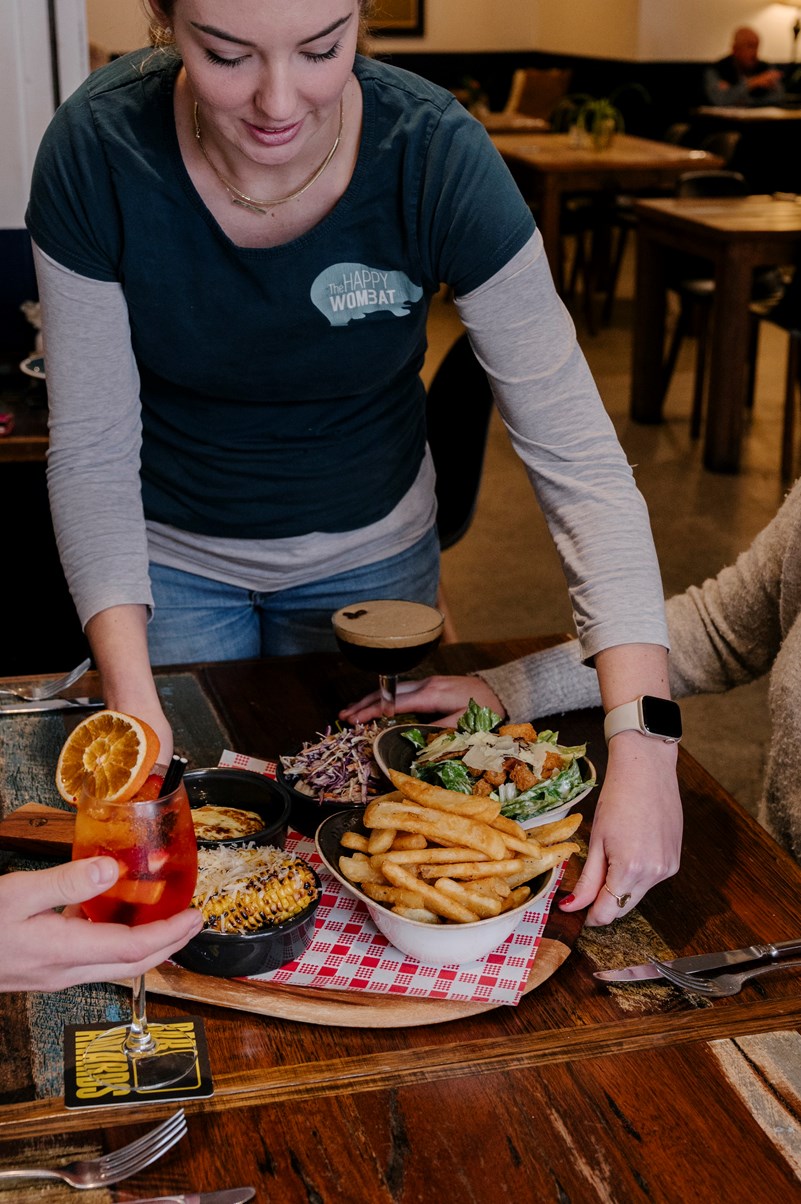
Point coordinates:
pixel 197 619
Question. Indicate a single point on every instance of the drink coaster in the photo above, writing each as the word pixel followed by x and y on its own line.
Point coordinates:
pixel 81 1091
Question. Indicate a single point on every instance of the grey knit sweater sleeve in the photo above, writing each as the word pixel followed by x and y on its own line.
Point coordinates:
pixel 545 683
pixel 724 633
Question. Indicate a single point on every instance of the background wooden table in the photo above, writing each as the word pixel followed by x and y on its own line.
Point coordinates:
pixel 737 234
pixel 583 1092
pixel 547 166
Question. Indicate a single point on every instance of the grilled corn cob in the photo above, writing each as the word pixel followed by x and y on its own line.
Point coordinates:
pixel 246 889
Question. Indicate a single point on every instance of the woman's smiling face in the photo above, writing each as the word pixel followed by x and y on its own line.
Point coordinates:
pixel 268 75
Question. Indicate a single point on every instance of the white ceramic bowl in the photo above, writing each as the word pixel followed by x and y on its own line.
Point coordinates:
pixel 393 751
pixel 434 944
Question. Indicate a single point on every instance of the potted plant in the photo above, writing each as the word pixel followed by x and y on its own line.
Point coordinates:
pixel 594 120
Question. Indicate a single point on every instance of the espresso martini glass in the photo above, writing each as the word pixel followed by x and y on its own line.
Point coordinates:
pixel 387 636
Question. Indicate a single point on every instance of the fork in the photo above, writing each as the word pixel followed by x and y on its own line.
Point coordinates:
pixel 110 1168
pixel 722 984
pixel 49 689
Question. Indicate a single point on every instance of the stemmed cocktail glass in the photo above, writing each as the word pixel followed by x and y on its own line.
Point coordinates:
pixel 387 636
pixel 153 840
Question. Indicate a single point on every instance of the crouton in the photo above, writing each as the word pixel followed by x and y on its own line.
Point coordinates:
pixel 495 777
pixel 552 764
pixel 522 777
pixel 518 731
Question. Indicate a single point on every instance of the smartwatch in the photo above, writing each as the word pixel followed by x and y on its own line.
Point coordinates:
pixel 657 717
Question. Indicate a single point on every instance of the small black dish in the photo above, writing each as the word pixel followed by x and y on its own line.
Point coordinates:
pixel 392 750
pixel 241 955
pixel 224 787
pixel 307 812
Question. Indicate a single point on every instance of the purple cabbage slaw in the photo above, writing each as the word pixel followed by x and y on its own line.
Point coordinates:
pixel 338 767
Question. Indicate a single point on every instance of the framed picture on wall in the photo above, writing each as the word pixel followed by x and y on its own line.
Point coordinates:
pixel 397 18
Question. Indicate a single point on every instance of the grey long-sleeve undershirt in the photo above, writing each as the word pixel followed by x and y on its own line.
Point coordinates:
pixel 543 389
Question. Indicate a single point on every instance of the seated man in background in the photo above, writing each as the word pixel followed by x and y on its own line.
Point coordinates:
pixel 742 78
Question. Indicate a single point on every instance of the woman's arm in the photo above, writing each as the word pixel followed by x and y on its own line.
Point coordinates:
pixel 93 479
pixel 118 637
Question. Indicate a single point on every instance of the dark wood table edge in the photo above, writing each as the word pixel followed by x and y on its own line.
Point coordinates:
pixel 385 1071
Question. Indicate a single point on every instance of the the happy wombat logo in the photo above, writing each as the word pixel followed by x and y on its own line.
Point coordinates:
pixel 349 291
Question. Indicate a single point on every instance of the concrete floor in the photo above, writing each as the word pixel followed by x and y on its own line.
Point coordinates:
pixel 503 579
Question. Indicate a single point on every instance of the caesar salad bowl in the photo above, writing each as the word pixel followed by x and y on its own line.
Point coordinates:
pixel 405 747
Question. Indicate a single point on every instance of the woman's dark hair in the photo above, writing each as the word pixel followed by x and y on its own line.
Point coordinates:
pixel 162 37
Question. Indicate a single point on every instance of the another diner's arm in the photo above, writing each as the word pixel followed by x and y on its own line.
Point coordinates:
pixel 93 479
pixel 45 950
pixel 724 633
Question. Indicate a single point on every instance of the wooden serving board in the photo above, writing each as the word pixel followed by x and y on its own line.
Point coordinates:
pixel 362 1009
pixel 42 831
pixel 39 831
pixel 347 1009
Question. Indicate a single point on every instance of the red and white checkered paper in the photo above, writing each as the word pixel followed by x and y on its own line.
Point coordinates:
pixel 348 953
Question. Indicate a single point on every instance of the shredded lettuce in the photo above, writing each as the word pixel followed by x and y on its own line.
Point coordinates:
pixel 553 792
pixel 477 719
pixel 415 736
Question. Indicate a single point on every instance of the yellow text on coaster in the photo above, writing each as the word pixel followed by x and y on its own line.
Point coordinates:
pixel 81 1090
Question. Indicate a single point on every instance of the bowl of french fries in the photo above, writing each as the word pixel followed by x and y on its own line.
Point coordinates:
pixel 445 877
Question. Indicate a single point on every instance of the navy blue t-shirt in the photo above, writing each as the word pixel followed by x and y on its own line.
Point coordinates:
pixel 280 386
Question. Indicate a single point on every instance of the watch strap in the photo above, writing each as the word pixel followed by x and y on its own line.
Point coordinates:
pixel 659 718
pixel 624 718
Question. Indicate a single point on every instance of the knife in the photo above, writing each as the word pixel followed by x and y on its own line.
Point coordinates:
pixel 234 1195
pixel 50 704
pixel 699 962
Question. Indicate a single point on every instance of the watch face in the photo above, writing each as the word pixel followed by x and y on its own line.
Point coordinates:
pixel 661 717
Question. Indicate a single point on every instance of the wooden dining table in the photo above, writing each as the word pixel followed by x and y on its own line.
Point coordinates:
pixel 547 167
pixel 582 1092
pixel 737 235
pixel 767 152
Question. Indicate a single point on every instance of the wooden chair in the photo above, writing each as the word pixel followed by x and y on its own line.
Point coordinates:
pixel 459 400
pixel 786 314
pixel 536 91
pixel 695 285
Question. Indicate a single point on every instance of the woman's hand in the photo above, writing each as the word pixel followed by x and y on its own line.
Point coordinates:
pixel 446 697
pixel 119 645
pixel 43 950
pixel 636 833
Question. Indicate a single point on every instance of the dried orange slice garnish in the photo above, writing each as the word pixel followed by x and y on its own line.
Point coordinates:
pixel 108 756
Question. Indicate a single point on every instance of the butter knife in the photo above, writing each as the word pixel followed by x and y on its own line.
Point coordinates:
pixel 234 1195
pixel 50 704
pixel 699 962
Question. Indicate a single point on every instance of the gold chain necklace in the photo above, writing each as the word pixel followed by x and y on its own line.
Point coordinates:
pixel 248 202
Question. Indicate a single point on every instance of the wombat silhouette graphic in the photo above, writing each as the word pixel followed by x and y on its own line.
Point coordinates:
pixel 346 292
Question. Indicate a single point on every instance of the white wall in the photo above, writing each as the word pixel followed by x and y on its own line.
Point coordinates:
pixel 27 99
pixel 117 25
pixel 637 30
pixel 647 30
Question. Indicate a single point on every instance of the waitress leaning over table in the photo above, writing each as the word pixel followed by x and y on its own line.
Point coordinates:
pixel 238 232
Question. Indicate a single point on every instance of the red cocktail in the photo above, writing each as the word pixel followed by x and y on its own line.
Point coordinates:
pixel 153 842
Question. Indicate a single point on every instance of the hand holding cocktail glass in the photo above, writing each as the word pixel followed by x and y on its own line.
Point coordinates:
pixel 151 837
